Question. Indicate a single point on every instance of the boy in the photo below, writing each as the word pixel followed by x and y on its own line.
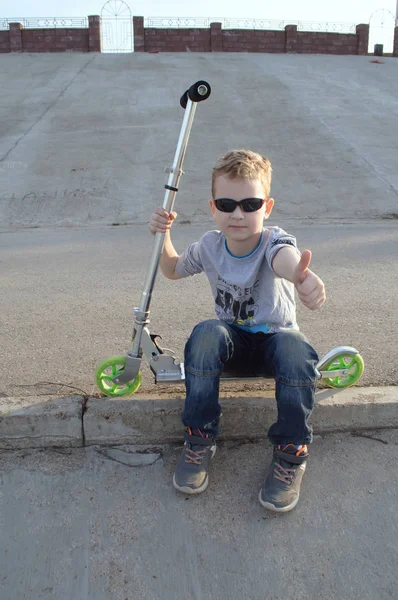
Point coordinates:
pixel 253 271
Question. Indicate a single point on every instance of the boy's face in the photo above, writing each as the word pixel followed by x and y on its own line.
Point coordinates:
pixel 240 225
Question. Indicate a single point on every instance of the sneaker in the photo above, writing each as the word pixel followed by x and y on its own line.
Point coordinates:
pixel 191 475
pixel 281 489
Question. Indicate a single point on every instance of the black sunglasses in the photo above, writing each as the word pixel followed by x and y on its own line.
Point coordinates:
pixel 247 205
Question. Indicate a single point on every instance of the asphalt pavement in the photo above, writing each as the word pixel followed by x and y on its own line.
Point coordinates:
pixel 106 524
pixel 68 296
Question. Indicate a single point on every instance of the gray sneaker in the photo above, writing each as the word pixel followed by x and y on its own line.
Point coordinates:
pixel 191 475
pixel 281 490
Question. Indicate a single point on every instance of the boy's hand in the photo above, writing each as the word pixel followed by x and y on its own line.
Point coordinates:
pixel 310 287
pixel 161 221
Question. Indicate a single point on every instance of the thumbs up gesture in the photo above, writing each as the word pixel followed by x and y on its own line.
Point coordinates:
pixel 310 287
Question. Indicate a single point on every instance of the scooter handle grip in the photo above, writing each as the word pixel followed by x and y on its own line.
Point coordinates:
pixel 198 92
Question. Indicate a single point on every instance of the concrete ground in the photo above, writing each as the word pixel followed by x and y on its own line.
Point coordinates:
pixel 84 140
pixel 93 524
pixel 83 144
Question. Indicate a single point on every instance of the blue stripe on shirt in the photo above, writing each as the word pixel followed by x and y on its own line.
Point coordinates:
pixel 255 328
pixel 246 255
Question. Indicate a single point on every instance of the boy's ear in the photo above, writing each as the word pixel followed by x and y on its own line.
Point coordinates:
pixel 269 205
pixel 212 207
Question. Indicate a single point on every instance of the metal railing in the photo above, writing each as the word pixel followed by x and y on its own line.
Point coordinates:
pixel 243 23
pixel 46 22
pixel 186 22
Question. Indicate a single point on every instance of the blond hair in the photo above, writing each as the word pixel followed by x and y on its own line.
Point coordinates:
pixel 243 164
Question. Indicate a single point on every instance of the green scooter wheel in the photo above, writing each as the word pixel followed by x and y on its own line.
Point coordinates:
pixel 354 366
pixel 110 368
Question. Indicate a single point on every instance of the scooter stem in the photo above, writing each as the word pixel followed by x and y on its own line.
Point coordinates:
pixel 168 203
pixel 199 91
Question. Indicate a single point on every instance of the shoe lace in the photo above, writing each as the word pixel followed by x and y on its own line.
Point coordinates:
pixel 285 474
pixel 195 457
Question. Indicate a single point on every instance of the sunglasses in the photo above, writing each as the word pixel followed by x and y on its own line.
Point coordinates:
pixel 228 205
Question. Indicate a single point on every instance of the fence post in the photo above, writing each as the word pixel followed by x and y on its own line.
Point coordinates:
pixel 15 37
pixel 94 33
pixel 395 51
pixel 363 38
pixel 139 34
pixel 291 38
pixel 216 37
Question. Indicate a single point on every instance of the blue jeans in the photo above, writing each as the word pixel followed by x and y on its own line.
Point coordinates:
pixel 215 346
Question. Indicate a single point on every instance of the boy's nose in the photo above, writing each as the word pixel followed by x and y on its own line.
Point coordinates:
pixel 238 213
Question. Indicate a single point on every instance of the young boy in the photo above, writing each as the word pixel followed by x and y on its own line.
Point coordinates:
pixel 253 271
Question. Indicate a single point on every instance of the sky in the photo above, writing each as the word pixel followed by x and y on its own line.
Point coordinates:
pixel 355 11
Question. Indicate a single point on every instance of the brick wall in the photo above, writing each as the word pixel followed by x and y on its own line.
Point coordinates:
pixel 4 41
pixel 18 39
pixel 246 40
pixel 326 43
pixel 177 40
pixel 216 39
pixel 54 40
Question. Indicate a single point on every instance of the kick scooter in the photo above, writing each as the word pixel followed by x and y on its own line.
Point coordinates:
pixel 121 375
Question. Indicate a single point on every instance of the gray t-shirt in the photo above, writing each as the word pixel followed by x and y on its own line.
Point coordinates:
pixel 246 290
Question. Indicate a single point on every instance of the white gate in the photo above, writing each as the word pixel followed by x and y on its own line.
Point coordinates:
pixel 116 27
pixel 381 31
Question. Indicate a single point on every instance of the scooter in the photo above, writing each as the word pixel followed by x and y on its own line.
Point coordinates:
pixel 121 375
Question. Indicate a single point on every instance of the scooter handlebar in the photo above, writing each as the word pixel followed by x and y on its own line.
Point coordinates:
pixel 198 92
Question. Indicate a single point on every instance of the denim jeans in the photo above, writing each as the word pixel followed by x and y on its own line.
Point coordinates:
pixel 286 356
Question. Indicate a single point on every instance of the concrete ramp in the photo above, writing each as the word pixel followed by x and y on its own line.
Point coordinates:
pixel 84 139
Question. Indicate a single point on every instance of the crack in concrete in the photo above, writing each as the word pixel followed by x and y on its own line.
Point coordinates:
pixel 369 437
pixel 47 109
pixel 138 458
pixel 354 148
pixel 84 410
